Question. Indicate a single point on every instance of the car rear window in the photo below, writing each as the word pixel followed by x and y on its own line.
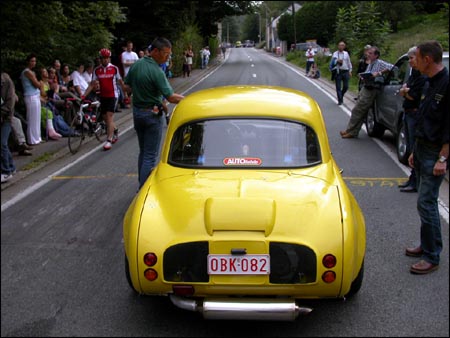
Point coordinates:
pixel 244 143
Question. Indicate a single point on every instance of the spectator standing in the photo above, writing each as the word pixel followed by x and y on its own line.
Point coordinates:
pixel 367 94
pixel 189 59
pixel 224 49
pixel 412 92
pixel 19 137
pixel 7 105
pixel 141 54
pixel 343 71
pixel 205 57
pixel 309 58
pixel 108 78
pixel 362 65
pixel 149 85
pixel 430 156
pixel 31 94
pixel 129 57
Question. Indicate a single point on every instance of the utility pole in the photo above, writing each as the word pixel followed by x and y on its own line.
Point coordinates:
pixel 259 35
pixel 293 21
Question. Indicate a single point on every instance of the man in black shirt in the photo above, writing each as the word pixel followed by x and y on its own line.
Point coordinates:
pixel 430 155
pixel 412 92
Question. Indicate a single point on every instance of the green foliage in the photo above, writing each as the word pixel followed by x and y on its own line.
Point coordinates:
pixel 70 31
pixel 213 44
pixel 285 28
pixel 251 27
pixel 317 20
pixel 367 26
pixel 189 36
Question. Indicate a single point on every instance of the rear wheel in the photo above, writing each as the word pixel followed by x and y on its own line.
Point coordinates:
pixel 402 144
pixel 356 284
pixel 374 129
pixel 127 274
pixel 77 135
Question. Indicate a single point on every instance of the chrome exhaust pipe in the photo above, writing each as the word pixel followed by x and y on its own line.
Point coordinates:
pixel 276 309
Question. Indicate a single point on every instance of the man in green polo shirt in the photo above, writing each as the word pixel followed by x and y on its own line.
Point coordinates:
pixel 149 85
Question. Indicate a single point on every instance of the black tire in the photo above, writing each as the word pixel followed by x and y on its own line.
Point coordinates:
pixel 403 150
pixel 374 129
pixel 356 284
pixel 127 274
pixel 76 139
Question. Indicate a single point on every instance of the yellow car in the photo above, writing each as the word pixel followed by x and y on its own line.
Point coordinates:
pixel 246 214
pixel 238 44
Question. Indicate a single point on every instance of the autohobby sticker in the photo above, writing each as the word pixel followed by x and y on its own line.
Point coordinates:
pixel 250 161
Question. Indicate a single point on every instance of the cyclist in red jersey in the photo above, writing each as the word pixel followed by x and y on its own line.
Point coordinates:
pixel 108 77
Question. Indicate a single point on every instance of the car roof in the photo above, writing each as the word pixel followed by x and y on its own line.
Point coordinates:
pixel 248 101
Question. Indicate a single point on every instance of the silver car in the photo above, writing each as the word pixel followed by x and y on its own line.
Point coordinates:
pixel 387 111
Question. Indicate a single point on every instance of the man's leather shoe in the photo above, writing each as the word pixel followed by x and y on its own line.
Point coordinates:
pixel 347 135
pixel 423 267
pixel 414 252
pixel 343 132
pixel 25 152
pixel 409 188
pixel 25 146
pixel 404 185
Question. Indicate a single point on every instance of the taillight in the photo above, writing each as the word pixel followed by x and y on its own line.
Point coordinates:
pixel 183 290
pixel 150 259
pixel 329 261
pixel 329 276
pixel 150 274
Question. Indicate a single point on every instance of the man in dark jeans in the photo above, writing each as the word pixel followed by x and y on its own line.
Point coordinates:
pixel 343 71
pixel 412 92
pixel 149 85
pixel 430 155
pixel 367 94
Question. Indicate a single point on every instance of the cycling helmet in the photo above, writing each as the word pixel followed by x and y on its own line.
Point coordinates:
pixel 105 53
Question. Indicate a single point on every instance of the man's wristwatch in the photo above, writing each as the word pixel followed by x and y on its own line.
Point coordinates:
pixel 442 159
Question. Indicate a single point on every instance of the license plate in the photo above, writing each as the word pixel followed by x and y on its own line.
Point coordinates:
pixel 238 265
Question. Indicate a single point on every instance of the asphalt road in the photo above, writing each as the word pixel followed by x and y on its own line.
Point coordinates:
pixel 62 251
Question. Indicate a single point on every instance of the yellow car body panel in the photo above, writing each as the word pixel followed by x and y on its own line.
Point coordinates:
pixel 247 208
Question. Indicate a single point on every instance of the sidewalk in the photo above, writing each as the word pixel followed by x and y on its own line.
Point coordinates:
pixel 50 151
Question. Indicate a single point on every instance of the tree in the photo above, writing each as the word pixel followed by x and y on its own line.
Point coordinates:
pixel 317 20
pixel 368 26
pixel 70 31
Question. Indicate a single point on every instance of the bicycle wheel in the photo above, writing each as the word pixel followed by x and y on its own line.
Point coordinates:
pixel 77 137
pixel 100 131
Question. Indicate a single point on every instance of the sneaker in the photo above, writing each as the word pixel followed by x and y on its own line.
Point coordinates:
pixel 6 177
pixel 115 136
pixel 107 145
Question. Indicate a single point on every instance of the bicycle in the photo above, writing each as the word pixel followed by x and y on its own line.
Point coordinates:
pixel 87 123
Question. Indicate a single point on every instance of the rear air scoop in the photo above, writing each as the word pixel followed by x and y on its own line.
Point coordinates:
pixel 239 214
